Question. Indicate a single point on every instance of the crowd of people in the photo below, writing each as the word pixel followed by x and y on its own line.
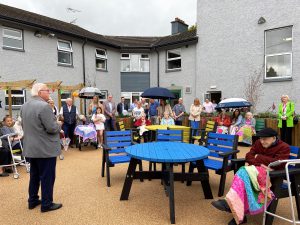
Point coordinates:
pixel 43 123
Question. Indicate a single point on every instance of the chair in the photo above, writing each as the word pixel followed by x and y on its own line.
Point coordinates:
pixel 114 153
pixel 186 133
pixel 135 135
pixel 211 126
pixel 279 186
pixel 223 148
pixel 259 125
pixel 168 135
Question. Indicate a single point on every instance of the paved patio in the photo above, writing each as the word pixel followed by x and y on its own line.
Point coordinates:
pixel 86 199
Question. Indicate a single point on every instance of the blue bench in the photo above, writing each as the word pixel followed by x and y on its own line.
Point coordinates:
pixel 114 153
pixel 223 148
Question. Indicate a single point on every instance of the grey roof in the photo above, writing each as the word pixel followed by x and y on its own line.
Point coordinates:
pixel 42 22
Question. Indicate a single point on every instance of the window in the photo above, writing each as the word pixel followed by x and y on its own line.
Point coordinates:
pixel 101 59
pixel 135 62
pixel 63 97
pixel 12 38
pixel 144 63
pixel 18 98
pixel 65 51
pixel 278 53
pixel 174 59
pixel 104 94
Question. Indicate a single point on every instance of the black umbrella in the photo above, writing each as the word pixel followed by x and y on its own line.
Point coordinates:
pixel 158 93
pixel 89 92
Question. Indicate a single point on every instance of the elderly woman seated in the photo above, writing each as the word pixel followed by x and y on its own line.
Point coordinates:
pixel 141 124
pixel 246 194
pixel 236 121
pixel 5 155
pixel 247 129
pixel 223 122
pixel 167 120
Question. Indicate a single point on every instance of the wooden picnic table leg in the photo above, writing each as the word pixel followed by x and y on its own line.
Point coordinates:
pixel 205 182
pixel 171 192
pixel 129 178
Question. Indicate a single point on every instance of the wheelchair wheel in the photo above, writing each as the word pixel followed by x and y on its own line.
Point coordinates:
pixel 16 176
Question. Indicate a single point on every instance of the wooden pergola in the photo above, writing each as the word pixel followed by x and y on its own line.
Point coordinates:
pixel 27 84
pixel 70 88
pixel 15 85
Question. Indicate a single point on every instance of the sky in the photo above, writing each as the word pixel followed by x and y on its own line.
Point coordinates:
pixel 115 17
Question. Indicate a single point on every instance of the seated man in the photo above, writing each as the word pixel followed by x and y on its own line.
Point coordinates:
pixel 250 180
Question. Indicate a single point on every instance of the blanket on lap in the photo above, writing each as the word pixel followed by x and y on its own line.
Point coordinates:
pixel 247 192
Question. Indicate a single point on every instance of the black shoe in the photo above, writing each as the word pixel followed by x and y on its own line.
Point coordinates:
pixel 8 170
pixel 33 205
pixel 54 206
pixel 4 174
pixel 222 205
pixel 232 222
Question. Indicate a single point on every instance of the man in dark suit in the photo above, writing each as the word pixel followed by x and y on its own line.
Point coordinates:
pixel 70 114
pixel 109 112
pixel 41 146
pixel 122 106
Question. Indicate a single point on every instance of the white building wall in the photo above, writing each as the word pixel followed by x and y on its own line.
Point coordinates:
pixel 231 46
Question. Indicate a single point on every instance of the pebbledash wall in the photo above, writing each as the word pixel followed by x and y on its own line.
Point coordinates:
pixel 232 42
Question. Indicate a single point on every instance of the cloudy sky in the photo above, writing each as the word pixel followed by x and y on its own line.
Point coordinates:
pixel 115 17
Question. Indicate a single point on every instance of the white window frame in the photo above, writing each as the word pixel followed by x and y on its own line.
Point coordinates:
pixel 125 57
pixel 144 59
pixel 173 59
pixel 105 94
pixel 16 96
pixel 103 57
pixel 59 49
pixel 278 54
pixel 12 37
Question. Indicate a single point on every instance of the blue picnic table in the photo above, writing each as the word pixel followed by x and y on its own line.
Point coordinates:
pixel 167 153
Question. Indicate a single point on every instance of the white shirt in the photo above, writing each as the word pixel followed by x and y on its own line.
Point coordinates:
pixel 209 108
pixel 61 112
pixel 137 112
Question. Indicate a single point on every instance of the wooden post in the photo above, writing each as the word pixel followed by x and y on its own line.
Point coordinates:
pixel 81 109
pixel 9 102
pixel 59 99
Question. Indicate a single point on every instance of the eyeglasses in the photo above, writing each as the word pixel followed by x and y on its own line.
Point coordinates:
pixel 46 90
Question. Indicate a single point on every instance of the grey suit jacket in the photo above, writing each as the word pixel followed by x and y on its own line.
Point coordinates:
pixel 41 131
pixel 107 109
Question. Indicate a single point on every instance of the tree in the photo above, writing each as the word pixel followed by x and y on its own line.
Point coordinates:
pixel 193 27
pixel 253 88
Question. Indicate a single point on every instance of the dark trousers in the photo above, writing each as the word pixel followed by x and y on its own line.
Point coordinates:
pixel 42 172
pixel 286 133
pixel 69 131
pixel 109 124
pixel 5 156
pixel 178 122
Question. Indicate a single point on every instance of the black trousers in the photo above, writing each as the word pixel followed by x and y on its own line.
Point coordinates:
pixel 109 124
pixel 42 173
pixel 5 156
pixel 178 122
pixel 69 131
pixel 286 133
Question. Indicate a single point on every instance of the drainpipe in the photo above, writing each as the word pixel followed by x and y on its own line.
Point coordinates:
pixel 83 69
pixel 157 67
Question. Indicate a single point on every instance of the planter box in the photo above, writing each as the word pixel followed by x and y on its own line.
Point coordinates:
pixel 128 122
pixel 272 123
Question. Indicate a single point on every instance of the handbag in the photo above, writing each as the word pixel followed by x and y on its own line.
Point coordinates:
pixel 295 119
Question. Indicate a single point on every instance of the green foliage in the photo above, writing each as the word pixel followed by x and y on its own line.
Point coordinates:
pixel 266 115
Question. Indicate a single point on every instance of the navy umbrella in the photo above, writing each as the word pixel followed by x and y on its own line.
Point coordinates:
pixel 233 103
pixel 158 93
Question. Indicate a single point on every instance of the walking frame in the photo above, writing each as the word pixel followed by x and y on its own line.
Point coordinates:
pixel 15 161
pixel 292 163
